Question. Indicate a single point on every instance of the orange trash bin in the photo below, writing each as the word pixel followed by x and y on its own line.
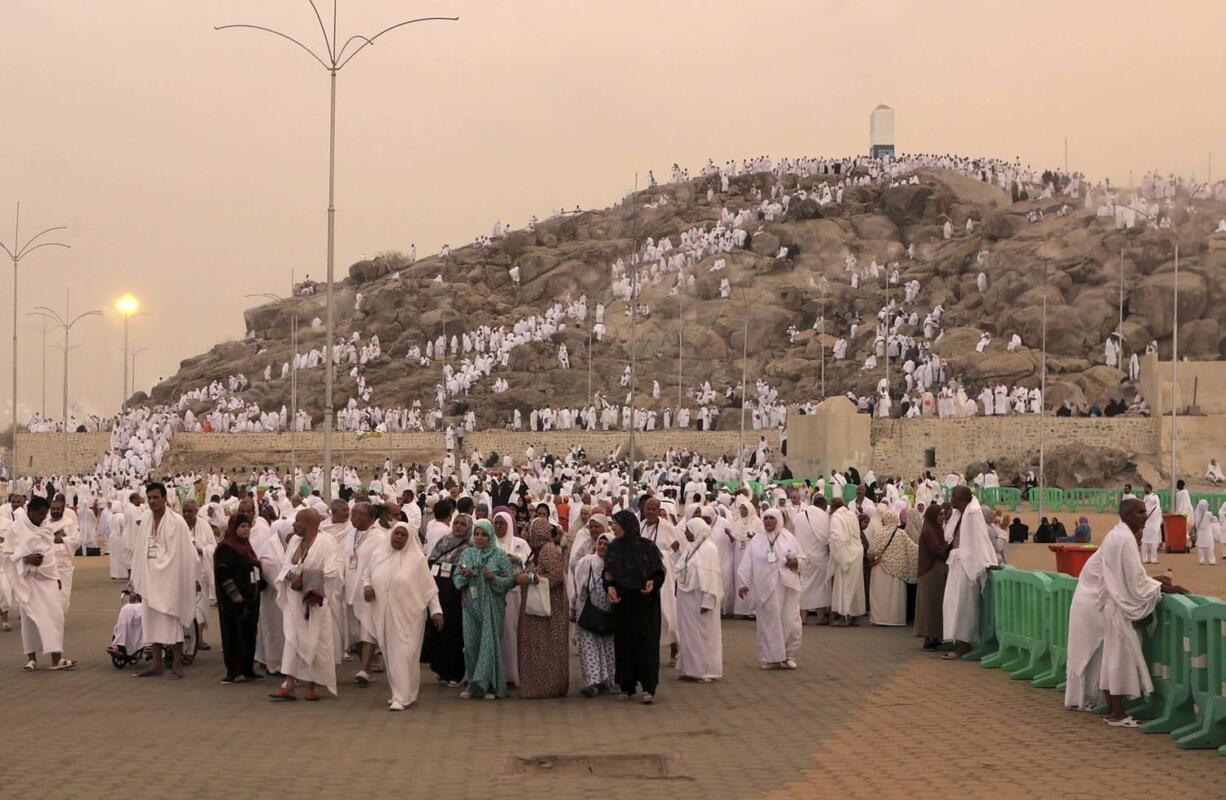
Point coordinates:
pixel 1071 558
pixel 1176 533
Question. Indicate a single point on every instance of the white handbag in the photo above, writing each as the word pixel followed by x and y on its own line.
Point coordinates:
pixel 537 601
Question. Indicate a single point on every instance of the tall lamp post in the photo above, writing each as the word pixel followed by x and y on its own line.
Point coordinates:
pixel 337 56
pixel 293 380
pixel 127 306
pixel 42 329
pixel 66 322
pixel 17 252
pixel 136 352
pixel 746 303
pixel 1174 230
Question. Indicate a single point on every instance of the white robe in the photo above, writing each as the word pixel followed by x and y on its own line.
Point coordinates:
pixel 270 637
pixel 968 572
pixel 517 550
pixel 71 540
pixel 774 595
pixel 164 572
pixel 1104 649
pixel 811 527
pixel 36 590
pixel 404 592
pixel 664 534
pixel 310 652
pixel 700 588
pixel 846 564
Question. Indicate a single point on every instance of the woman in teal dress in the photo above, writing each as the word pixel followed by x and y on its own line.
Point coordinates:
pixel 484 577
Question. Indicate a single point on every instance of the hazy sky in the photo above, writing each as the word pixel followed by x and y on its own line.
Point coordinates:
pixel 190 165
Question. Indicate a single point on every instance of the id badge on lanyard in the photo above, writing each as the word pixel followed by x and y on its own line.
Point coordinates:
pixel 154 550
pixel 353 561
pixel 771 556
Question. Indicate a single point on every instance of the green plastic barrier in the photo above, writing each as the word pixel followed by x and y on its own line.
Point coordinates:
pixel 1061 601
pixel 988 496
pixel 1053 498
pixel 1022 610
pixel 987 644
pixel 1164 499
pixel 1075 499
pixel 1010 497
pixel 1206 649
pixel 1170 705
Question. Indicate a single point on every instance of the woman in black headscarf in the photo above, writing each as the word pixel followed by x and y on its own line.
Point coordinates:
pixel 633 574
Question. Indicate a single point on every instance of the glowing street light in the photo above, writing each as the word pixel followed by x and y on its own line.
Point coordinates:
pixel 127 306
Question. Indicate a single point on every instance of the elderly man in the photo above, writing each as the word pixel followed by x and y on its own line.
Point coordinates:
pixel 29 562
pixel 164 572
pixel 972 554
pixel 310 575
pixel 811 527
pixel 1113 594
pixel 846 565
pixel 359 543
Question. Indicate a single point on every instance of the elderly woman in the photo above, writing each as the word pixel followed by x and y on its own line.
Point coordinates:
pixel 517 551
pixel 633 575
pixel 544 654
pixel 894 558
pixel 931 571
pixel 399 589
pixel 769 577
pixel 444 649
pixel 485 576
pixel 597 658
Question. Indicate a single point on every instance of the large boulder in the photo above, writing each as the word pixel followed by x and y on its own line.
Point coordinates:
pixel 1153 299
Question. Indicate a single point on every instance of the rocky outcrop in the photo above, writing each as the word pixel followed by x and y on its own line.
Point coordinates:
pixel 405 302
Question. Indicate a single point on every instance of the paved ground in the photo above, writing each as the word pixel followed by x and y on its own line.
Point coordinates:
pixel 867 715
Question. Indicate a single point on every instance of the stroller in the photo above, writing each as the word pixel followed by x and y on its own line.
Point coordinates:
pixel 128 646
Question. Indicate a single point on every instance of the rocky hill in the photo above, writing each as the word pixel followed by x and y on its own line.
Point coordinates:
pixel 568 256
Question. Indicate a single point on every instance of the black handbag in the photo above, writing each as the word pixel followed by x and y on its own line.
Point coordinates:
pixel 595 621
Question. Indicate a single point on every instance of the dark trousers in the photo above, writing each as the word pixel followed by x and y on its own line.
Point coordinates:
pixel 636 641
pixel 239 625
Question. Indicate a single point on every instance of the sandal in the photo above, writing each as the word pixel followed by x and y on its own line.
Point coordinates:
pixel 1126 722
pixel 282 695
pixel 310 696
pixel 30 666
pixel 950 657
pixel 64 663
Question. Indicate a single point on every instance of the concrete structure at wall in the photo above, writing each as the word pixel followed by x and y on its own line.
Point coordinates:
pixel 833 437
pixel 43 453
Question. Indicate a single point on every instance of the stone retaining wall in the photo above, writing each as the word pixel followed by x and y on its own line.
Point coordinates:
pixel 43 454
pixel 900 445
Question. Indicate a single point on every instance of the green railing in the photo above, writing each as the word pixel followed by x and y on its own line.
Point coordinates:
pixel 1024 627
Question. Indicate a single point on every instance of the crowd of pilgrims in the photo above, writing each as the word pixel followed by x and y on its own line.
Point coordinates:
pixel 489 575
pixel 479 573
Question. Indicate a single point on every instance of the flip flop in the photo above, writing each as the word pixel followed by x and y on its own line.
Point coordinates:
pixel 64 663
pixel 281 696
pixel 950 657
pixel 1126 722
pixel 30 666
pixel 310 696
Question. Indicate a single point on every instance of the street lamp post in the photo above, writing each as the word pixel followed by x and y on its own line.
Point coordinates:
pixel 127 305
pixel 43 328
pixel 66 322
pixel 17 252
pixel 746 303
pixel 293 381
pixel 1043 384
pixel 1174 229
pixel 136 352
pixel 338 55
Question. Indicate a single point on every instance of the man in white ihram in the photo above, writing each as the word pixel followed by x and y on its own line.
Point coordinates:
pixel 1104 647
pixel 29 563
pixel 1152 535
pixel 164 570
pixel 969 561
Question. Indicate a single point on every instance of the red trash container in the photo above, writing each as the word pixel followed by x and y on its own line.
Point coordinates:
pixel 1176 533
pixel 1071 558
